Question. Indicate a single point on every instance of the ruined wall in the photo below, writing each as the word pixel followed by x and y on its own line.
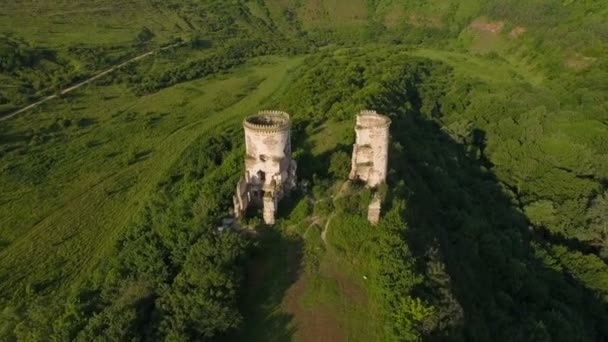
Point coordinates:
pixel 270 208
pixel 269 169
pixel 370 156
pixel 374 209
pixel 370 152
pixel 241 199
pixel 268 148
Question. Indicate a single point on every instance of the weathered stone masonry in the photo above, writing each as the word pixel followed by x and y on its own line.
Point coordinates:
pixel 270 172
pixel 370 155
pixel 370 152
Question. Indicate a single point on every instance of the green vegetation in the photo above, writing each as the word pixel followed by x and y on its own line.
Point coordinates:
pixel 495 212
pixel 116 177
pixel 468 233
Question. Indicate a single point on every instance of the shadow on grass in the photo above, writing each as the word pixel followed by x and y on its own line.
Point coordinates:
pixel 272 268
pixel 309 163
pixel 4 244
pixel 503 287
pixel 86 122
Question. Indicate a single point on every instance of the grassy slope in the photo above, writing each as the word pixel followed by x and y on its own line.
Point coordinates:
pixel 77 250
pixel 302 305
pixel 86 199
pixel 339 291
pixel 62 28
pixel 482 68
pixel 97 22
pixel 285 301
pixel 58 227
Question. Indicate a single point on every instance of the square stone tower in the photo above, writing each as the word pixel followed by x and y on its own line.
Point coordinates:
pixel 370 152
pixel 269 170
pixel 370 156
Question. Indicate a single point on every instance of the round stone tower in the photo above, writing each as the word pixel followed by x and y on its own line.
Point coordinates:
pixel 370 152
pixel 269 170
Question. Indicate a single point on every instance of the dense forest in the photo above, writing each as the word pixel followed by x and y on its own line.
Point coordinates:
pixel 495 211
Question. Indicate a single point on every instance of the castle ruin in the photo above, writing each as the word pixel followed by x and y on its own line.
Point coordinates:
pixel 370 155
pixel 370 152
pixel 270 172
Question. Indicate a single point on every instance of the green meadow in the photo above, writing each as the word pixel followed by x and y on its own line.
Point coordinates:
pixel 65 203
pixel 494 214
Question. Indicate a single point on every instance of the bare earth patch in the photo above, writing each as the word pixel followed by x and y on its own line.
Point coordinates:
pixel 517 31
pixel 425 21
pixel 579 62
pixel 317 325
pixel 340 309
pixel 485 25
pixel 394 17
pixel 353 292
pixel 486 34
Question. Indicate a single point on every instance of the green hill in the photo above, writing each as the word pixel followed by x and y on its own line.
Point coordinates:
pixel 495 209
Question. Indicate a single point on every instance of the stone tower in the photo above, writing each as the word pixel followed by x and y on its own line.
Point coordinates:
pixel 370 152
pixel 269 170
pixel 370 156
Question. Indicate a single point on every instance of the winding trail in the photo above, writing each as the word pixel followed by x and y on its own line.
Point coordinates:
pixel 341 191
pixel 87 81
pixel 324 232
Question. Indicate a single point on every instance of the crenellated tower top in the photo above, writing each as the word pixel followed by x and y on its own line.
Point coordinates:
pixel 371 119
pixel 270 172
pixel 269 121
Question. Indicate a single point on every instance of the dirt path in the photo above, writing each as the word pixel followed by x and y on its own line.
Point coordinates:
pixel 85 82
pixel 324 232
pixel 340 193
pixel 90 10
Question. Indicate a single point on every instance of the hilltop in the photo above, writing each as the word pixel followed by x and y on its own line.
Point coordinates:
pixel 496 196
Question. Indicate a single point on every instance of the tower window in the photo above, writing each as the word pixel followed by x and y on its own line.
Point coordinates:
pixel 262 176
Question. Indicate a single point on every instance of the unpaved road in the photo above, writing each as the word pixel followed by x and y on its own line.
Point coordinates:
pixel 85 82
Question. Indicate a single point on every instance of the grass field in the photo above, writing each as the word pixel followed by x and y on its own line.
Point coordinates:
pixel 488 70
pixel 68 199
pixel 78 170
pixel 60 24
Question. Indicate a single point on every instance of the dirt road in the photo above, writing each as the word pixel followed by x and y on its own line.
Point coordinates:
pixel 85 82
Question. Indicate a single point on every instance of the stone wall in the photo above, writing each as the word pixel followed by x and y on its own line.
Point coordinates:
pixel 370 152
pixel 241 199
pixel 269 170
pixel 374 209
pixel 370 156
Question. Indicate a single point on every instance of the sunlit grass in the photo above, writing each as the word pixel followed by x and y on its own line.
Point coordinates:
pixel 70 191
